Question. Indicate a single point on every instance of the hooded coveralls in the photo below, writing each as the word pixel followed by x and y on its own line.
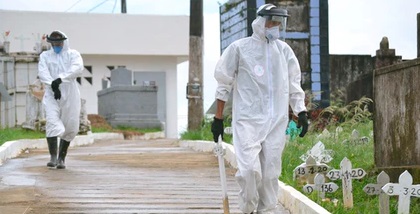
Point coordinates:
pixel 62 115
pixel 264 77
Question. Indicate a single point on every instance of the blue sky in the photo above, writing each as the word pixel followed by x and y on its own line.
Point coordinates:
pixel 355 27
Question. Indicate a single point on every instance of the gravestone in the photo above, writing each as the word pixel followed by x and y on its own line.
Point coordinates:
pixel 356 139
pixel 35 112
pixel 4 97
pixel 325 134
pixel 346 174
pixel 404 190
pixel 376 189
pixel 124 104
pixel 338 130
pixel 309 169
pixel 319 153
pixel 121 76
pixel 320 186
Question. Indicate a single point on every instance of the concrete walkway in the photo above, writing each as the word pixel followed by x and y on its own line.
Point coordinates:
pixel 107 174
pixel 117 176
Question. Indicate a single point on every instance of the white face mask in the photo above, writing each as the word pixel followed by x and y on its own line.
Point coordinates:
pixel 272 33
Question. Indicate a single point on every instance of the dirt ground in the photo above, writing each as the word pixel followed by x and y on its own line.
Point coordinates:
pixel 99 122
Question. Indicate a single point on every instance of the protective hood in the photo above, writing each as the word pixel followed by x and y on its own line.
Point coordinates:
pixel 65 42
pixel 258 28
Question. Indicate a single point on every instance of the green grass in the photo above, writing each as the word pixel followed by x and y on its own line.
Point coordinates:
pixel 204 133
pixel 360 155
pixel 127 128
pixel 10 134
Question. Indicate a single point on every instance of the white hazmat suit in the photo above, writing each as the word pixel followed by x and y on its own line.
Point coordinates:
pixel 264 77
pixel 62 115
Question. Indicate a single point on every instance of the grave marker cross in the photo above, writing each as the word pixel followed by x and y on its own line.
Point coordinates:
pixel 320 186
pixel 404 190
pixel 319 153
pixel 22 38
pixel 376 189
pixel 346 173
pixel 310 168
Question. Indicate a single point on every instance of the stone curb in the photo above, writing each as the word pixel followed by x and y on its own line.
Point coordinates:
pixel 11 149
pixel 290 198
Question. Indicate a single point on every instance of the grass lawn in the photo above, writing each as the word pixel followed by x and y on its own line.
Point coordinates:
pixel 10 134
pixel 361 155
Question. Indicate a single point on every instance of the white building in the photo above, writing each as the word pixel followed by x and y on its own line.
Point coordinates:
pixel 149 44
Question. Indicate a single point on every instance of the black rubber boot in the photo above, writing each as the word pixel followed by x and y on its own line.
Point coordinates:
pixel 52 147
pixel 64 145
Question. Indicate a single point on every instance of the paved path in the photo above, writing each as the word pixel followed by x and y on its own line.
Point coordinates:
pixel 118 176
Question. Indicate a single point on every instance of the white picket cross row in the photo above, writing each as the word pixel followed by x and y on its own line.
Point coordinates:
pixel 319 153
pixel 320 186
pixel 404 190
pixel 346 173
pixel 376 189
pixel 309 169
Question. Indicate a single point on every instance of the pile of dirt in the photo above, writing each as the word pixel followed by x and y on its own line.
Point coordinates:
pixel 99 122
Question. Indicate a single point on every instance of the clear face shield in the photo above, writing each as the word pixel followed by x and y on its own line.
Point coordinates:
pixel 282 20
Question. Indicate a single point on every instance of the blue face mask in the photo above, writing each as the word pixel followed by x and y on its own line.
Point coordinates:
pixel 57 49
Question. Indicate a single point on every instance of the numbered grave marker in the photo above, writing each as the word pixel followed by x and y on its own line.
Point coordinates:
pixel 228 130
pixel 320 186
pixel 355 134
pixel 405 190
pixel 346 174
pixel 309 169
pixel 376 189
pixel 338 130
pixel 324 134
pixel 354 138
pixel 319 153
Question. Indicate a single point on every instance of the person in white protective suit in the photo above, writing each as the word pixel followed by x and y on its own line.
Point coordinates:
pixel 58 68
pixel 264 76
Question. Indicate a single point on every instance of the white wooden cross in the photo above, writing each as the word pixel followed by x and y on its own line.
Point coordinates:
pixel 228 130
pixel 320 186
pixel 404 190
pixel 309 169
pixel 346 174
pixel 319 153
pixel 376 189
pixel 22 38
pixel 324 134
pixel 338 130
pixel 354 138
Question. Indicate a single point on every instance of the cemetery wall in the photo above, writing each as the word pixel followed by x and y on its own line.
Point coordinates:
pixel 396 119
pixel 346 69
